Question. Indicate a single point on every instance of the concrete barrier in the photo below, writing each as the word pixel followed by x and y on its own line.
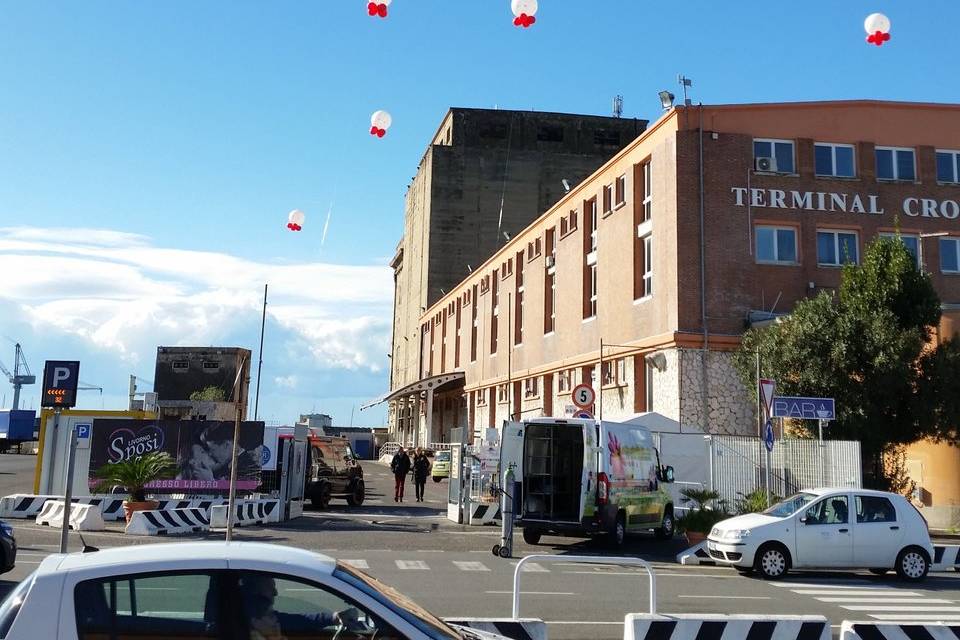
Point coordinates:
pixel 897 631
pixel 696 555
pixel 167 522
pixel 248 512
pixel 644 626
pixel 945 557
pixel 28 505
pixel 484 513
pixel 521 629
pixel 189 503
pixel 83 517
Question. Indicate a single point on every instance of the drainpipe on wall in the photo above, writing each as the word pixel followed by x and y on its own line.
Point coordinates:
pixel 703 286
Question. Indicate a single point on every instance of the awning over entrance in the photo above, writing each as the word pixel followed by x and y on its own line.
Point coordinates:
pixel 442 382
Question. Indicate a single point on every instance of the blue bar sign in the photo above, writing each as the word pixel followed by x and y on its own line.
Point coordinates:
pixel 804 408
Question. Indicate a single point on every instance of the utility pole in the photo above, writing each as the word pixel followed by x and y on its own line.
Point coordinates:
pixel 263 322
pixel 238 404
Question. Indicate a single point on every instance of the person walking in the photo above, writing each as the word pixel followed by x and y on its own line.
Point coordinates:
pixel 421 469
pixel 401 467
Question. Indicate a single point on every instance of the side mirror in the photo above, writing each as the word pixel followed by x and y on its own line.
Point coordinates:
pixel 803 520
pixel 668 474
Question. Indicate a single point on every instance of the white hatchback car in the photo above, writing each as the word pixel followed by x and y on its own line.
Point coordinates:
pixel 827 528
pixel 212 590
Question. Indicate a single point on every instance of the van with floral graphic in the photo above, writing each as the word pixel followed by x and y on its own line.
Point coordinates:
pixel 586 477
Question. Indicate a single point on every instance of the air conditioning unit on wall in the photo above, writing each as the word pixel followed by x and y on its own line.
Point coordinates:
pixel 550 262
pixel 766 164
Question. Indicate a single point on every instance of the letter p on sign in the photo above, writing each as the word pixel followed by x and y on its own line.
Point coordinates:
pixel 60 374
pixel 60 378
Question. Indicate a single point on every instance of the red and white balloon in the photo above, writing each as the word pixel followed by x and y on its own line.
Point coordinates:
pixel 524 12
pixel 295 220
pixel 380 121
pixel 378 8
pixel 877 27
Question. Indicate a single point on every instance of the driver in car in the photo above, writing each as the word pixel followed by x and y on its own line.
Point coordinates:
pixel 259 593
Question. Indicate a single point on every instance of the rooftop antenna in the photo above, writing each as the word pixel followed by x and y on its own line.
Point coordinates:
pixel 617 106
pixel 684 83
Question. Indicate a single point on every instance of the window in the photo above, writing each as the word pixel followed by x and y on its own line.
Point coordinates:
pixel 894 163
pixel 503 393
pixel 614 373
pixel 831 510
pixel 531 388
pixel 948 166
pixel 647 266
pixel 494 313
pixel 474 322
pixel 209 365
pixel 456 340
pixel 648 388
pixel 647 192
pixel 834 160
pixel 481 397
pixel 10 606
pixel 180 366
pixel 275 606
pixel 592 301
pixel 777 244
pixel 607 198
pixel 590 219
pixel 950 255
pixel 550 283
pixel 518 302
pixel 875 509
pixel 180 605
pixel 912 243
pixel 620 190
pixel 835 248
pixel 781 151
pixel 563 381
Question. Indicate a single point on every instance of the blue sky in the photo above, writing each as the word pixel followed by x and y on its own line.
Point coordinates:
pixel 196 127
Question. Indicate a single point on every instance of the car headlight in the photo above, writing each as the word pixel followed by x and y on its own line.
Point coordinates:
pixel 737 534
pixel 6 530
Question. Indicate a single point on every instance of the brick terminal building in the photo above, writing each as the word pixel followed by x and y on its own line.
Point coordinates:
pixel 784 193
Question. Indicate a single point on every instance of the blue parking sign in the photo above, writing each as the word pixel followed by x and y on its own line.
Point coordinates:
pixel 83 431
pixel 768 437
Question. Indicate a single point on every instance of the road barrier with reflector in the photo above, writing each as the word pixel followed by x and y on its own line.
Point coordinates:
pixel 248 512
pixel 83 517
pixel 28 505
pixel 898 631
pixel 643 626
pixel 168 522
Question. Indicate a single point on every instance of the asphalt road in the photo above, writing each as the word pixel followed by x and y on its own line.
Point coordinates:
pixel 450 570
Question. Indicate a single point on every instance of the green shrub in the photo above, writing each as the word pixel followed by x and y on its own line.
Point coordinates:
pixel 754 502
pixel 701 520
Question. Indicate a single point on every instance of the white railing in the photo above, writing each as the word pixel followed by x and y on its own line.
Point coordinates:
pixel 587 559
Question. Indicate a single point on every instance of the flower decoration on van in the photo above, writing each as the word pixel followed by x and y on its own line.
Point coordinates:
pixel 378 8
pixel 877 27
pixel 616 456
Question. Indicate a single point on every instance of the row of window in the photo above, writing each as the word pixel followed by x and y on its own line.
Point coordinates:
pixel 778 245
pixel 839 160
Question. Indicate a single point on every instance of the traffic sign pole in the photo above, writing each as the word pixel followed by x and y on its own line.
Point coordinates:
pixel 68 491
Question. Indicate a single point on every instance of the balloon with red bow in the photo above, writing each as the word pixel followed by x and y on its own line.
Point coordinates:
pixel 877 27
pixel 524 12
pixel 295 220
pixel 380 121
pixel 378 8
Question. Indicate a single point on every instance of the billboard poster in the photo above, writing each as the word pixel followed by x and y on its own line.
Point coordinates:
pixel 201 449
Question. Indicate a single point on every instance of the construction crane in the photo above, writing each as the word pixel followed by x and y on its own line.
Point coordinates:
pixel 21 375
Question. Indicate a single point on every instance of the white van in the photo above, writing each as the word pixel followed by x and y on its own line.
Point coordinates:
pixel 586 477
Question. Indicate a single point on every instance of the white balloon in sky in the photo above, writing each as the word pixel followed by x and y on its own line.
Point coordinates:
pixel 528 7
pixel 877 22
pixel 381 119
pixel 296 217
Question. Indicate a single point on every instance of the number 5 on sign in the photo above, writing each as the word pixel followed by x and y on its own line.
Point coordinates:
pixel 583 396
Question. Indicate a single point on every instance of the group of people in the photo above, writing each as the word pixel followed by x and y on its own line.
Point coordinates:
pixel 402 464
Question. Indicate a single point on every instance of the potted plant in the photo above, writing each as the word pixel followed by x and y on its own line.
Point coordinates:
pixel 754 502
pixel 134 474
pixel 700 518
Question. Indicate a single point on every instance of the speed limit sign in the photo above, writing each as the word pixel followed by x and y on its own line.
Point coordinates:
pixel 583 396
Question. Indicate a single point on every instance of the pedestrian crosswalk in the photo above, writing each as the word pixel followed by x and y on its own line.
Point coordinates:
pixel 884 602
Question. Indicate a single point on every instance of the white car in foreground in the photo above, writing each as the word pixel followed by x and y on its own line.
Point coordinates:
pixel 827 528
pixel 212 590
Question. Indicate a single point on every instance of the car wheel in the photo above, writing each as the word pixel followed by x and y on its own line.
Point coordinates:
pixel 618 535
pixel 666 530
pixel 356 498
pixel 504 552
pixel 772 561
pixel 879 572
pixel 320 498
pixel 913 564
pixel 436 479
pixel 531 536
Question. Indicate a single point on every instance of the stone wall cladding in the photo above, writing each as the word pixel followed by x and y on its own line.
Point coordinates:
pixel 730 406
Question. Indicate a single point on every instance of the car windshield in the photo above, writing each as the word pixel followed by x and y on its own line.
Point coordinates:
pixel 413 613
pixel 790 506
pixel 443 456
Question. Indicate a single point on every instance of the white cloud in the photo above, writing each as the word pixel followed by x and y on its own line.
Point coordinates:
pixel 289 382
pixel 121 293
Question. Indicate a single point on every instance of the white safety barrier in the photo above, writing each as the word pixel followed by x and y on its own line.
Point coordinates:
pixel 946 557
pixel 642 626
pixel 248 512
pixel 28 505
pixel 696 555
pixel 483 513
pixel 189 503
pixel 83 517
pixel 166 522
pixel 897 631
pixel 524 629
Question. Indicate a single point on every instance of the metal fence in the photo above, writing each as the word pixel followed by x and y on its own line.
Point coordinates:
pixel 738 465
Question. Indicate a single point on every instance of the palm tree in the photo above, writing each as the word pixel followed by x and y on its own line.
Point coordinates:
pixel 134 474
